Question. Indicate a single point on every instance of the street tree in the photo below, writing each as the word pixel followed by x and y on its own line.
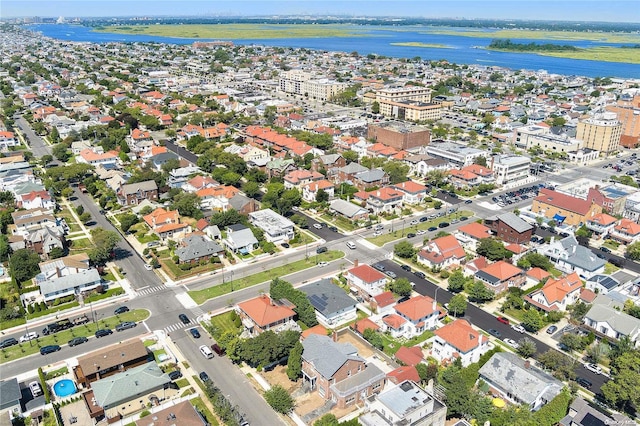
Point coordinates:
pixel 85 217
pixel 623 390
pixel 532 320
pixel 526 347
pixel 401 287
pixel 456 281
pixel 404 249
pixel 560 364
pixel 573 341
pixel 127 221
pixel 104 242
pixel 478 292
pixel 457 305
pixel 279 399
pixel 633 251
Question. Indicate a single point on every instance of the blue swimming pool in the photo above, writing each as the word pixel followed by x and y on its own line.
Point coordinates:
pixel 64 387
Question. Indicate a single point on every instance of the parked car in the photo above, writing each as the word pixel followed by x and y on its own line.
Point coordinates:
pixel 424 219
pixel 419 274
pixel 206 352
pixel 413 222
pixel 583 382
pixel 379 266
pixel 322 264
pixel 503 320
pixel 217 349
pixel 175 375
pixel 320 250
pixel 35 389
pixel 195 333
pixel 317 226
pixel 443 224
pixel 77 341
pixel 8 342
pixel 494 332
pixel 203 376
pixel 552 329
pixel 432 228
pixel 103 332
pixel 285 245
pixel 594 368
pixel 148 267
pixel 121 310
pixel 518 328
pixel 406 268
pixel 29 336
pixel 333 228
pixel 605 249
pixel 392 274
pixel 125 325
pixel 49 349
pixel 184 319
pixel 511 342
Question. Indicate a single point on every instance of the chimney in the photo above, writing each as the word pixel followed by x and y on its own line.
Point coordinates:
pixel 527 364
pixel 435 305
pixel 355 263
pixel 334 336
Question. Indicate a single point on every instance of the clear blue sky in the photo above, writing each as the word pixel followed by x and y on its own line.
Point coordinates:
pixel 570 10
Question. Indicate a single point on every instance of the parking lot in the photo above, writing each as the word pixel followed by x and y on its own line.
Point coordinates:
pixel 520 194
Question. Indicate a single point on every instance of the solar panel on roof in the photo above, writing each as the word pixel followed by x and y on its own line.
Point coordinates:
pixel 317 302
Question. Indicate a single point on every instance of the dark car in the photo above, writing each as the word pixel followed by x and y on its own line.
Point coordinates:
pixel 321 250
pixel 424 219
pixel 103 332
pixel 463 218
pixel 125 325
pixel 411 235
pixel 204 376
pixel 552 329
pixel 185 319
pixel 406 268
pixel 8 342
pixel 605 250
pixel 443 224
pixel 175 375
pixel 379 266
pixel 49 349
pixel 217 349
pixel 494 332
pixel 433 228
pixel 77 341
pixel 285 245
pixel 195 333
pixel 333 228
pixel 583 382
pixel 503 320
pixel 419 274
pixel 121 310
pixel 468 202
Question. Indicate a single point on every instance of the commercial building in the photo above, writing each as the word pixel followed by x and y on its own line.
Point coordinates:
pixel 411 110
pixel 399 135
pixel 407 93
pixel 601 132
pixel 508 169
pixel 564 208
pixel 303 83
pixel 510 228
pixel 538 136
pixel 456 154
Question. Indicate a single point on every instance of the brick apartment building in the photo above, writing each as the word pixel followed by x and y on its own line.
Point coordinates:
pixel 399 135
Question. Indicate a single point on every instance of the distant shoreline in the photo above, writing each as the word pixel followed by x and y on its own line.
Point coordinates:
pixel 426 45
pixel 604 54
pixel 542 35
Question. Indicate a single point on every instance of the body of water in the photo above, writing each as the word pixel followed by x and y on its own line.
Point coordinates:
pixel 462 50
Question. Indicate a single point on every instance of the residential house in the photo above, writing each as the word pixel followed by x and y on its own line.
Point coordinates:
pixel 601 224
pixel 110 360
pixel 73 284
pixel 510 228
pixel 240 239
pixel 105 159
pixel 135 193
pixel 473 266
pixel 402 373
pixel 564 209
pixel 114 394
pixel 414 193
pixel 382 303
pixel 26 221
pixel 217 198
pixel 196 248
pixel 421 164
pixel 606 319
pixel 569 256
pixel 383 200
pixel 368 281
pixel 515 380
pixel 442 252
pixel 535 276
pixel 10 396
pixel 602 284
pixel 310 190
pixel 181 413
pixel 198 183
pixel 409 355
pixel 337 372
pixel 8 140
pixel 626 232
pixel 62 266
pixel 263 313
pixel 458 339
pixel 583 413
pixel 328 161
pixel 420 313
pixel 333 306
pixel 178 177
pixel 557 294
pixel 276 228
pixel 471 233
pixel 36 200
pixel 243 204
pixel 501 275
pixel 166 223
pixel 463 179
pixel 406 403
pixel 348 210
pixel 484 174
pixel 45 239
pixel 299 178
pixel 370 179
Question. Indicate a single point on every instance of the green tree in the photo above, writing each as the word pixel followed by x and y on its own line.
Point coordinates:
pixel 552 412
pixel 350 156
pixel 573 341
pixel 396 170
pixel 61 152
pixel 251 188
pixel 404 249
pixel 85 217
pixel 187 204
pixel 322 196
pixel 560 364
pixel 67 192
pixel 375 107
pixel 327 420
pixel 456 281
pixel 533 260
pixel 294 363
pixel 633 251
pixel 481 161
pixel 104 242
pixel 526 347
pixel 623 390
pixel 127 221
pixel 427 371
pixel 457 305
pixel 478 292
pixel 532 320
pixel 279 399
pixel 374 338
pixel 493 249
pixel 5 248
pixel 401 287
pixel 24 265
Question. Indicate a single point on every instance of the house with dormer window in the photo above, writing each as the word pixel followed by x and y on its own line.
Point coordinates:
pixel 458 340
pixel 442 252
pixel 501 275
pixel 557 294
pixel 601 224
pixel 413 317
pixel 166 223
pixel 626 232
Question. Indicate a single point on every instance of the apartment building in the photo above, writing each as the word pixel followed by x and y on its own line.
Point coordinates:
pixel 601 132
pixel 510 168
pixel 407 93
pixel 399 135
pixel 538 136
pixel 411 110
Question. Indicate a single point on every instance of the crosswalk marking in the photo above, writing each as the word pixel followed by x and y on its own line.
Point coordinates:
pixel 150 290
pixel 178 326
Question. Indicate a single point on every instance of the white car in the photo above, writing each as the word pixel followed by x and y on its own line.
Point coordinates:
pixel 35 388
pixel 421 232
pixel 29 336
pixel 413 222
pixel 148 267
pixel 594 368
pixel 323 263
pixel 518 328
pixel 377 233
pixel 317 226
pixel 511 343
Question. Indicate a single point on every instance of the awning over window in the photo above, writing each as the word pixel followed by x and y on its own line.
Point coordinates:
pixel 559 218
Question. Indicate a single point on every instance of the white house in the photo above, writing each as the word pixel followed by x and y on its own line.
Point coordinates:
pixel 568 256
pixel 458 340
pixel 276 228
pixel 368 281
pixel 442 252
pixel 333 306
pixel 606 318
pixel 557 294
pixel 412 318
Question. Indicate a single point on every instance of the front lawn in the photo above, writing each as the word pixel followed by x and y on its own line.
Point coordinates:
pixel 61 338
pixel 201 296
pixel 224 323
pixel 80 245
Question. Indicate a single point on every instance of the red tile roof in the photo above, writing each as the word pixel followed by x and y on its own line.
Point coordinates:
pixel 557 290
pixel 416 308
pixel 264 312
pixel 563 201
pixel 317 329
pixel 629 227
pixel 502 270
pixel 475 230
pixel 410 187
pixel 384 299
pixel 603 219
pixel 409 356
pixel 394 321
pixel 460 335
pixel 406 372
pixel 538 273
pixel 365 324
pixel 367 274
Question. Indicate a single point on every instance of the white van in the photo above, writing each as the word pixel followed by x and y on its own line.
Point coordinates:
pixel 351 245
pixel 206 352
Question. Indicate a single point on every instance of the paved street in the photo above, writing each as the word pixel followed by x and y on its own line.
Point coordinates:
pixel 37 145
